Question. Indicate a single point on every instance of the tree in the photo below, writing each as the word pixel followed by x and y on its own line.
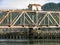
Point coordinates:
pixel 58 6
pixel 50 7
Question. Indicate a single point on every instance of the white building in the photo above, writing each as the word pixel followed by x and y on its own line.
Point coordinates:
pixel 34 7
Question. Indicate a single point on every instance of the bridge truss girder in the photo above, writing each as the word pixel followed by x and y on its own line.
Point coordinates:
pixel 28 19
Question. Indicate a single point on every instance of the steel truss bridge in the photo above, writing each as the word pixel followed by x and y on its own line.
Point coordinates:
pixel 29 19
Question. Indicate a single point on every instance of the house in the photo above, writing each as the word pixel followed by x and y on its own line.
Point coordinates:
pixel 34 7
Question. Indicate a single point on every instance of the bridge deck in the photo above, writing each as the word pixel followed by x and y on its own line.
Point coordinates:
pixel 30 27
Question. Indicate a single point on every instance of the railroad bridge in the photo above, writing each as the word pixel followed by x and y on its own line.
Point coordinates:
pixel 29 19
pixel 17 20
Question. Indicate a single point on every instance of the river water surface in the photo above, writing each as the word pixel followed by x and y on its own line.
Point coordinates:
pixel 29 42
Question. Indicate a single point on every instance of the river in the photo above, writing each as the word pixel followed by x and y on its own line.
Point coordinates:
pixel 29 42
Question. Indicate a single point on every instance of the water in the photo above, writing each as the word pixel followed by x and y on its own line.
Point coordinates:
pixel 29 42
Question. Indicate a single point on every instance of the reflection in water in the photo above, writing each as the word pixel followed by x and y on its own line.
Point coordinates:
pixel 30 42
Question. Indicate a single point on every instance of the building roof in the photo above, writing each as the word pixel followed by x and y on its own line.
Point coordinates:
pixel 34 5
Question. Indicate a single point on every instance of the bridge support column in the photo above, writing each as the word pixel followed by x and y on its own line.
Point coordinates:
pixel 13 37
pixel 10 36
pixel 16 37
pixel 19 37
pixel 30 33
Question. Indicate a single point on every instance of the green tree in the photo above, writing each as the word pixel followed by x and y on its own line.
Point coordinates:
pixel 50 7
pixel 58 6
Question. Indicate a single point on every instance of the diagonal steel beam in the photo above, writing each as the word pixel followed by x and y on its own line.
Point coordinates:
pixel 4 17
pixel 53 18
pixel 50 20
pixel 17 18
pixel 43 19
pixel 30 18
pixel 14 19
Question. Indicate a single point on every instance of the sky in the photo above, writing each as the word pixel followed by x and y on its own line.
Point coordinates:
pixel 22 4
